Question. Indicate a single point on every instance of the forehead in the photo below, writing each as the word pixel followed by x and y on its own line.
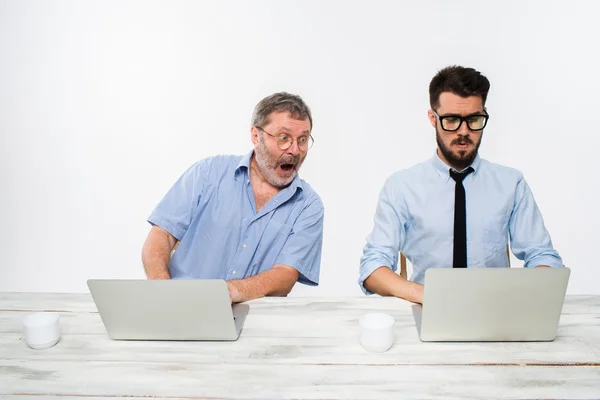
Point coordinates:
pixel 451 103
pixel 283 120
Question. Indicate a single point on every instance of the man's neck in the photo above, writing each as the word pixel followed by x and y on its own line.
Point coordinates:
pixel 257 178
pixel 263 190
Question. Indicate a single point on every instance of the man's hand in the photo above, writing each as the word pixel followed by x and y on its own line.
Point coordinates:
pixel 419 291
pixel 233 292
pixel 278 281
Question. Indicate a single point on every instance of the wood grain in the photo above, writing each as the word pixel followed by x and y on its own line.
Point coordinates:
pixel 293 348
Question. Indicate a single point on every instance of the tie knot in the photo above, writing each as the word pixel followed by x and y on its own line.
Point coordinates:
pixel 460 176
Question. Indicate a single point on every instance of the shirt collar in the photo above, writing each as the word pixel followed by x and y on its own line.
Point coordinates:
pixel 244 166
pixel 443 170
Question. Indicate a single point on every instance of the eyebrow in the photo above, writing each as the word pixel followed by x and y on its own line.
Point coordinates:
pixel 464 116
pixel 286 130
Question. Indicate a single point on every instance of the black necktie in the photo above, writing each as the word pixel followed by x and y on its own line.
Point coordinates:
pixel 460 219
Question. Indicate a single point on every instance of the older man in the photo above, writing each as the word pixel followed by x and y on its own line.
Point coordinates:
pixel 249 220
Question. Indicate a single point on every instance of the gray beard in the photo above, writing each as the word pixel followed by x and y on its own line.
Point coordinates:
pixel 267 169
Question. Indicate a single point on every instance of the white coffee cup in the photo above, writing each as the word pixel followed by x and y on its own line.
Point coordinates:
pixel 42 330
pixel 376 332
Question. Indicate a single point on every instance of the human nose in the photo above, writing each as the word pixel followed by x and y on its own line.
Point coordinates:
pixel 294 149
pixel 464 129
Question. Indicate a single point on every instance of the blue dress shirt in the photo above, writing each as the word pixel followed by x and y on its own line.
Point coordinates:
pixel 415 215
pixel 212 212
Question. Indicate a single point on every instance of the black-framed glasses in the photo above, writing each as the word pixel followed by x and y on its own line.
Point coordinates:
pixel 284 141
pixel 453 122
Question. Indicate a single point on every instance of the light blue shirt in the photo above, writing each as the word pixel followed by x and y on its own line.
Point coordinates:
pixel 212 212
pixel 415 216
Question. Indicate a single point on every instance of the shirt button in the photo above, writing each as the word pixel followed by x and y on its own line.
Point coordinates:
pixel 233 272
pixel 244 246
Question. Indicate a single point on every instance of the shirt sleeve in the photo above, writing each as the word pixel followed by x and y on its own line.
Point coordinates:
pixel 302 250
pixel 383 244
pixel 529 239
pixel 175 211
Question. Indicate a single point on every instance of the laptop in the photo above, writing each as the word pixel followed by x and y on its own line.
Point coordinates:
pixel 167 309
pixel 491 304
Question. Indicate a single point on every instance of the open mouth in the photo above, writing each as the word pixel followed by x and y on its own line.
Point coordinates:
pixel 287 167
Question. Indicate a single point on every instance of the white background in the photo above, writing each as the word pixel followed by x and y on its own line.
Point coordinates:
pixel 104 104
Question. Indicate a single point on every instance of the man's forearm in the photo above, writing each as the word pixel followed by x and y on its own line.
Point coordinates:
pixel 277 281
pixel 156 261
pixel 386 282
pixel 156 254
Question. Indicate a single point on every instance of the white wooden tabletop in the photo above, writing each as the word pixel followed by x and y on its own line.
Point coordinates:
pixel 293 348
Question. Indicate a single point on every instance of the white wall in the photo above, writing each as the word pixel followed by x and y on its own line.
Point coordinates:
pixel 104 104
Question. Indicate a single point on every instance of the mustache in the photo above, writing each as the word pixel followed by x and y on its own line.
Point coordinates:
pixel 462 140
pixel 288 160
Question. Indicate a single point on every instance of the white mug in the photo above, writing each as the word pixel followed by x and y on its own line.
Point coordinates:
pixel 376 332
pixel 42 330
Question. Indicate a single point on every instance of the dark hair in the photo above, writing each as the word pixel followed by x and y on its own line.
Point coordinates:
pixel 280 102
pixel 461 81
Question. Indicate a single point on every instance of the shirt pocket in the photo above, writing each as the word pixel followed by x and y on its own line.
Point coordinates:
pixel 487 246
pixel 495 237
pixel 495 228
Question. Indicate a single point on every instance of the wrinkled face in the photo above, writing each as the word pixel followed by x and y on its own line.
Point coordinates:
pixel 279 167
pixel 457 149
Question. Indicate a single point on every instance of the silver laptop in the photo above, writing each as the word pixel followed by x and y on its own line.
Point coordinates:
pixel 167 309
pixel 491 304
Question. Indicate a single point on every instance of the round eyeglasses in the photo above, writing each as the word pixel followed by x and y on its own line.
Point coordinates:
pixel 284 141
pixel 453 122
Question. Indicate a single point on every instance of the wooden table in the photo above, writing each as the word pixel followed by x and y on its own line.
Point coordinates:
pixel 300 348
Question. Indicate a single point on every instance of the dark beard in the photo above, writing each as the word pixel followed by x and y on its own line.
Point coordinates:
pixel 456 161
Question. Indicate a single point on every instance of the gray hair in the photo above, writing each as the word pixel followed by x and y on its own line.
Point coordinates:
pixel 280 102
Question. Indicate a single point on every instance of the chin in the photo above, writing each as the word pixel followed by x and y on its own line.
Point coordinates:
pixel 464 154
pixel 281 182
pixel 285 183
